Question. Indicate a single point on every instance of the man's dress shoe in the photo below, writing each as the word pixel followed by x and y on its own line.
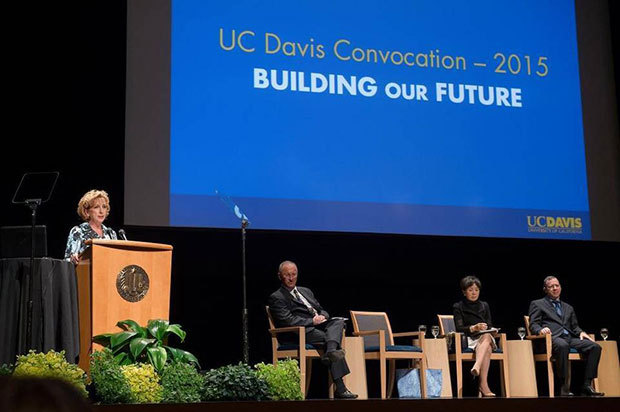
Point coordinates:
pixel 565 391
pixel 346 394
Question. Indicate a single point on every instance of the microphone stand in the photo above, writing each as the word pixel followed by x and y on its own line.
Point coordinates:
pixel 244 316
pixel 245 222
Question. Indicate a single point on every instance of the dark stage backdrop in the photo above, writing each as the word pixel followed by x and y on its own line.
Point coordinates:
pixel 68 115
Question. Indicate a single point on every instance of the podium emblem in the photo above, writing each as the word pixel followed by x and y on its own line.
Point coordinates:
pixel 132 283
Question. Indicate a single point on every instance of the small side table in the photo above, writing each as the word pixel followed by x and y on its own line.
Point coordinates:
pixel 354 354
pixel 521 368
pixel 609 369
pixel 437 358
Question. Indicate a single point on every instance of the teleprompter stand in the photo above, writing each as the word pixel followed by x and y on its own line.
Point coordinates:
pixel 33 190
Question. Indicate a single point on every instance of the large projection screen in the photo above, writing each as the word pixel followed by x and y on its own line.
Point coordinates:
pixel 418 117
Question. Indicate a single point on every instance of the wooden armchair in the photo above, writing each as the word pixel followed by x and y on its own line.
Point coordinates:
pixel 300 350
pixel 375 328
pixel 462 354
pixel 547 356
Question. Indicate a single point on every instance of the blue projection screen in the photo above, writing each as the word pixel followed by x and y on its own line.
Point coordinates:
pixel 417 117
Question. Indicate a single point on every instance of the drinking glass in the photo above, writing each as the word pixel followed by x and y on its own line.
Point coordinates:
pixel 604 333
pixel 435 331
pixel 422 328
pixel 521 332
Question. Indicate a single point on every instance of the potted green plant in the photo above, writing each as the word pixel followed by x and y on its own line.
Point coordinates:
pixel 149 344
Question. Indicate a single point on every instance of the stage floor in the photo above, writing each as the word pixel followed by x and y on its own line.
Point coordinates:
pixel 390 405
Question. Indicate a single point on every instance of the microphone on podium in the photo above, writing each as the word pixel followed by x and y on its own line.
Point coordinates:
pixel 121 233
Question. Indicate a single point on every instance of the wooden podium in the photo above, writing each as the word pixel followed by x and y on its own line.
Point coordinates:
pixel 118 280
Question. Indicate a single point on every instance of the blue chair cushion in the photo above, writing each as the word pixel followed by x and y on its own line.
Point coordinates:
pixel 294 346
pixel 541 351
pixel 469 350
pixel 395 348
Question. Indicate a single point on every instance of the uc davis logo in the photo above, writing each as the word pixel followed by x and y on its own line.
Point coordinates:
pixel 554 224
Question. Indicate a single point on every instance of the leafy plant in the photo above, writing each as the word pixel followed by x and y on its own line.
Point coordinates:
pixel 108 379
pixel 50 365
pixel 143 383
pixel 234 383
pixel 146 344
pixel 283 379
pixel 6 370
pixel 182 383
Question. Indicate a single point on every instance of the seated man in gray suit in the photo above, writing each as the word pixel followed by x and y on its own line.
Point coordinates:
pixel 293 305
pixel 550 315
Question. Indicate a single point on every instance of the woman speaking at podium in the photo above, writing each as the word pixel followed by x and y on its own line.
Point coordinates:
pixel 93 208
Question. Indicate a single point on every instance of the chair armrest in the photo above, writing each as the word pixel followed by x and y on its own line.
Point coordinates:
pixel 295 329
pixel 402 334
pixel 532 337
pixel 366 332
pixel 502 340
pixel 456 341
pixel 548 344
pixel 419 337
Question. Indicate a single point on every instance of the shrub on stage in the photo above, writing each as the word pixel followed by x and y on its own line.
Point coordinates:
pixel 234 383
pixel 181 383
pixel 50 365
pixel 6 370
pixel 143 383
pixel 283 379
pixel 108 379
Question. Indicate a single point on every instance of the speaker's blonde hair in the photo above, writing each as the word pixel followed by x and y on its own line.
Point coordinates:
pixel 88 200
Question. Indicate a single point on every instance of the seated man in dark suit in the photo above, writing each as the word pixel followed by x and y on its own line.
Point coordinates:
pixel 549 315
pixel 296 306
